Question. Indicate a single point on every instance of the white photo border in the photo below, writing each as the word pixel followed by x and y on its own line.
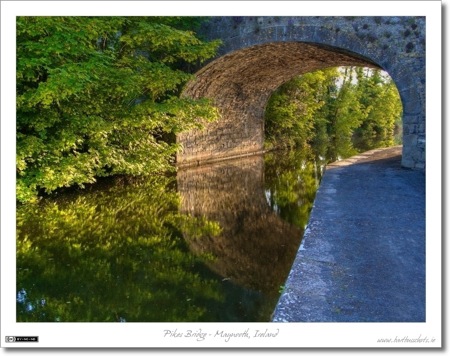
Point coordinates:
pixel 289 335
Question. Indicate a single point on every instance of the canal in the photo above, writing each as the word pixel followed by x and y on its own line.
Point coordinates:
pixel 213 243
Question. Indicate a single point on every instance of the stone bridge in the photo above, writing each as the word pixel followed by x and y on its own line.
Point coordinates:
pixel 261 53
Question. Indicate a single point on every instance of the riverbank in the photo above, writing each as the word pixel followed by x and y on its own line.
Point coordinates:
pixel 362 258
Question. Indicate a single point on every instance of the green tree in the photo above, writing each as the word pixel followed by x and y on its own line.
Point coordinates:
pixel 98 96
pixel 290 112
pixel 344 114
pixel 337 111
pixel 381 102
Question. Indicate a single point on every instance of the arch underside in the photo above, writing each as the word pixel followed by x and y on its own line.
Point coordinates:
pixel 240 84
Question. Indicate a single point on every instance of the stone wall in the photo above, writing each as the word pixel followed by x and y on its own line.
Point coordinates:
pixel 261 53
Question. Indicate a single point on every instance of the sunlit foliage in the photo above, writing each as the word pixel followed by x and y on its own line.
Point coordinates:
pixel 291 113
pixel 338 111
pixel 381 102
pixel 99 96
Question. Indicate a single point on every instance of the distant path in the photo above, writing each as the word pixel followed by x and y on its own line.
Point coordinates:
pixel 363 254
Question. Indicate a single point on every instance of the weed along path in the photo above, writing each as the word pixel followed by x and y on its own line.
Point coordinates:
pixel 362 258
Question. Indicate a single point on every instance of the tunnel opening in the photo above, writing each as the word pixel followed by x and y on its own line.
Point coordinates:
pixel 335 112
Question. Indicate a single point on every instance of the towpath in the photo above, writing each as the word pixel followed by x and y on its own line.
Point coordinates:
pixel 362 257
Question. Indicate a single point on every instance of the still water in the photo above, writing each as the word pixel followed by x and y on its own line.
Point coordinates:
pixel 214 243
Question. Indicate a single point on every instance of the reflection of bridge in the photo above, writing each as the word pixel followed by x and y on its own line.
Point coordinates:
pixel 256 248
pixel 261 53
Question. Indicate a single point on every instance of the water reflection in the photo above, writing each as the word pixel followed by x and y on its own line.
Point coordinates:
pixel 291 181
pixel 139 250
pixel 255 248
pixel 111 253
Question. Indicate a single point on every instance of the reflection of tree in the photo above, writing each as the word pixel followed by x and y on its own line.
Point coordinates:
pixel 109 255
pixel 292 178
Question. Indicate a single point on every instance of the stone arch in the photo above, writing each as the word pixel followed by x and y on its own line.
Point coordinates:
pixel 261 53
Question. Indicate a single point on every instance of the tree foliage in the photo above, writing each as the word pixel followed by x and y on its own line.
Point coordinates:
pixel 291 110
pixel 339 111
pixel 99 96
pixel 383 108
